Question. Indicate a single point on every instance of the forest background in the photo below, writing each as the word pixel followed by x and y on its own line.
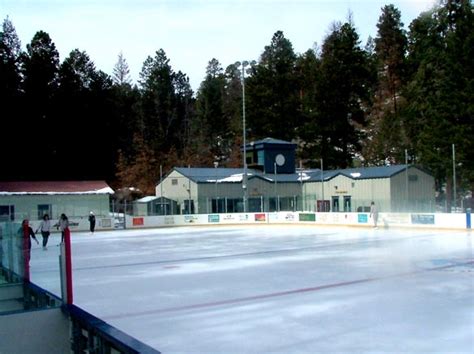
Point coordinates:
pixel 404 96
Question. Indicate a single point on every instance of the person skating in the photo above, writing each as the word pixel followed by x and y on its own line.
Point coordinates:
pixel 63 224
pixel 45 228
pixel 374 214
pixel 25 232
pixel 92 222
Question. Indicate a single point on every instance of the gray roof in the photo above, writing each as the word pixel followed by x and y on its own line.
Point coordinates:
pixel 271 141
pixel 234 175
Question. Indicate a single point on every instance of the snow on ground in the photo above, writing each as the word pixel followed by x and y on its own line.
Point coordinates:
pixel 276 289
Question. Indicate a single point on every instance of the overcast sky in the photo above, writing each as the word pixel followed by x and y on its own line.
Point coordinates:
pixel 191 32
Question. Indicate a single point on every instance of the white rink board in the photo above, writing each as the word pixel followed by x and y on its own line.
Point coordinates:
pixel 386 220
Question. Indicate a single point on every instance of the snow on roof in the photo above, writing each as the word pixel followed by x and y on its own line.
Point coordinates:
pixel 55 187
pixel 147 199
pixel 221 175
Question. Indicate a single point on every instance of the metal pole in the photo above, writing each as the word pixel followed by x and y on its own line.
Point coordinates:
pixel 322 187
pixel 454 178
pixel 244 177
pixel 302 191
pixel 161 189
pixel 406 177
pixel 215 188
pixel 275 173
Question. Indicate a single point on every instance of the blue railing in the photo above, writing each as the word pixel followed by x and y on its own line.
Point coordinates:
pixel 92 335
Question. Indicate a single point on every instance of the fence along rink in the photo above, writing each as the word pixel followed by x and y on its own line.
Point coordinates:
pixel 416 220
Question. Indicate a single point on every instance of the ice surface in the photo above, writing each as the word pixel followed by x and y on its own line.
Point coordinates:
pixel 276 289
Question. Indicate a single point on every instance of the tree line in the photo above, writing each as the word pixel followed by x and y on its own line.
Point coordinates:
pixel 404 96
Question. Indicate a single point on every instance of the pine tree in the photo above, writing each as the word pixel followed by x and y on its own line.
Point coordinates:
pixel 10 93
pixel 158 102
pixel 440 92
pixel 214 128
pixel 343 94
pixel 40 68
pixel 386 135
pixel 121 72
pixel 272 92
pixel 308 71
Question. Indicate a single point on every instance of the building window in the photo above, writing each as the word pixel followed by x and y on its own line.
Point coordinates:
pixel 174 182
pixel 413 178
pixel 7 212
pixel 44 209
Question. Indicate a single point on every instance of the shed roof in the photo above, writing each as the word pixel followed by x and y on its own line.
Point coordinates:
pixel 55 187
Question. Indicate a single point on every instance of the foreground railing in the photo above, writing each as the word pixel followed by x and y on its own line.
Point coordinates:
pixel 92 335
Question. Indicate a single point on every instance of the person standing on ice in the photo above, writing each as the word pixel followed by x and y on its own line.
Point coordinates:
pixel 25 232
pixel 45 228
pixel 92 222
pixel 62 225
pixel 374 213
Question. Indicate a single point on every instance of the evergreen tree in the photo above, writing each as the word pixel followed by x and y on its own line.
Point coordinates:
pixel 84 104
pixel 386 135
pixel 158 102
pixel 40 67
pixel 121 72
pixel 308 71
pixel 440 93
pixel 214 128
pixel 10 93
pixel 232 111
pixel 272 92
pixel 184 108
pixel 343 95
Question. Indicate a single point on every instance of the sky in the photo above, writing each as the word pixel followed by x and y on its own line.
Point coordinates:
pixel 191 32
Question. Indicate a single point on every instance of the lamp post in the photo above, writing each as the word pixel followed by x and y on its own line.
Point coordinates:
pixel 454 178
pixel 322 187
pixel 244 177
pixel 406 179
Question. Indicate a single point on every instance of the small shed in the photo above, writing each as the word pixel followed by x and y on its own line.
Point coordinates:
pixel 152 205
pixel 19 200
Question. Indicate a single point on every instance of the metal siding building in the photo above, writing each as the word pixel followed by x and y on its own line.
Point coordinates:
pixel 387 186
pixel 218 190
pixel 213 190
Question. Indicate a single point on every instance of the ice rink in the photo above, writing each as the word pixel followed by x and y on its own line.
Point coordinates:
pixel 276 289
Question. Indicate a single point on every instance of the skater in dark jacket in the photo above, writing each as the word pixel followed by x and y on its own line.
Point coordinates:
pixel 92 222
pixel 63 224
pixel 24 233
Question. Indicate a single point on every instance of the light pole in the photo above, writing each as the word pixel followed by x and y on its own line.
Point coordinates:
pixel 454 178
pixel 244 176
pixel 323 207
pixel 406 180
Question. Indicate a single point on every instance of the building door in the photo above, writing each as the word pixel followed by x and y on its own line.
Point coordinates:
pixel 188 206
pixel 347 203
pixel 335 204
pixel 322 206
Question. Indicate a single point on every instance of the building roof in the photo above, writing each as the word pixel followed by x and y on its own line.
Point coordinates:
pixel 271 141
pixel 371 172
pixel 55 187
pixel 234 175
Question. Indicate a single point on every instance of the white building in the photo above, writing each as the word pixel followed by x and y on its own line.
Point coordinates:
pixel 20 200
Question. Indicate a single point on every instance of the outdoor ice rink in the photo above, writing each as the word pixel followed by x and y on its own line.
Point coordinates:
pixel 276 289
